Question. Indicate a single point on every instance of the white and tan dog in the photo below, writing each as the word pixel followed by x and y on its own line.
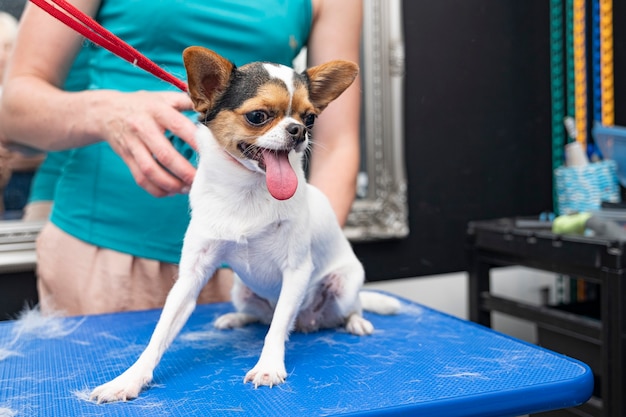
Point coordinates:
pixel 253 210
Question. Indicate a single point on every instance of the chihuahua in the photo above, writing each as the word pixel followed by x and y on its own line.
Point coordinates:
pixel 253 210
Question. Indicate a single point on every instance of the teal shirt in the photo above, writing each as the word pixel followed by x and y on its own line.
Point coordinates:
pixel 97 199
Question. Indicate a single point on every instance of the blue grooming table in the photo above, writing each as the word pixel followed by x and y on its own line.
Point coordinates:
pixel 420 362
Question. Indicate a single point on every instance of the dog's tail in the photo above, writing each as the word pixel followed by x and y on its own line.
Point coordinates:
pixel 379 303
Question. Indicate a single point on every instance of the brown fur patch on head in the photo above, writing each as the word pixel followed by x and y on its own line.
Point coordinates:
pixel 301 104
pixel 271 97
pixel 231 128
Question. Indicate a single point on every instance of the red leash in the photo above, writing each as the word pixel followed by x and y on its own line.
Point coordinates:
pixel 92 30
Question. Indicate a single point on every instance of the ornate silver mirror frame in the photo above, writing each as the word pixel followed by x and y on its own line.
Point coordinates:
pixel 380 210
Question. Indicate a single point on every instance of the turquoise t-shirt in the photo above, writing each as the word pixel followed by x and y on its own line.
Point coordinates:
pixel 97 199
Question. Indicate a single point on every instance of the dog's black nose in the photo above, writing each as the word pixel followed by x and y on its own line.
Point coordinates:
pixel 297 132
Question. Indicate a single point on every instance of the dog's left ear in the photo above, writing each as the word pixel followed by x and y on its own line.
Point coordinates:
pixel 327 81
pixel 208 75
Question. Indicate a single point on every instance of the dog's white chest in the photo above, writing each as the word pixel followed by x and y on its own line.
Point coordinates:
pixel 260 259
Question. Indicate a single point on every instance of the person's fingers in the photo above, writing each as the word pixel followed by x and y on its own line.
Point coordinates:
pixel 143 161
pixel 139 138
pixel 172 163
pixel 179 124
pixel 180 101
pixel 130 158
pixel 154 178
pixel 144 183
pixel 168 158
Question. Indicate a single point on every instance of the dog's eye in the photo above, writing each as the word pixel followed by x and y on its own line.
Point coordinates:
pixel 257 117
pixel 309 120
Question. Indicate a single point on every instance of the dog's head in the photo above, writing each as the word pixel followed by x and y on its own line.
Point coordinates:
pixel 261 112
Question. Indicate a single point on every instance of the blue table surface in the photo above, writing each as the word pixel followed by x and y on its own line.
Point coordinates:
pixel 420 362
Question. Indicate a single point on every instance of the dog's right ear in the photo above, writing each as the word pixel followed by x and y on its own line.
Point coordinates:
pixel 208 75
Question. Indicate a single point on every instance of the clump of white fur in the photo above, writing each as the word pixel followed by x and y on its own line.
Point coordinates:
pixel 7 412
pixel 32 324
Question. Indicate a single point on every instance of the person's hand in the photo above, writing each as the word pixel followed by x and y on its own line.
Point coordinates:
pixel 134 124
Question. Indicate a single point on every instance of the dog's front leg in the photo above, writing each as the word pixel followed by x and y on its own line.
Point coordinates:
pixel 198 263
pixel 270 369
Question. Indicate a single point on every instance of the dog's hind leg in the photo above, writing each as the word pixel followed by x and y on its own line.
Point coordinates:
pixel 198 262
pixel 359 325
pixel 250 308
pixel 348 283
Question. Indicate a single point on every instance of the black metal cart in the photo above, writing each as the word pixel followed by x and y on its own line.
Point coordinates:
pixel 594 336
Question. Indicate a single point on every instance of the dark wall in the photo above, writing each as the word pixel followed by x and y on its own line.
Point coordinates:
pixel 478 137
pixel 17 291
pixel 13 7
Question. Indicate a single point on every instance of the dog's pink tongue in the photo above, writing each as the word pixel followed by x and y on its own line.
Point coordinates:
pixel 279 175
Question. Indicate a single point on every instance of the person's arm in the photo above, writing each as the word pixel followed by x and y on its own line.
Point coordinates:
pixel 35 111
pixel 336 34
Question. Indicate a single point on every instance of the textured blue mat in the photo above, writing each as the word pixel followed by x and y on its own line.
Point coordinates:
pixel 420 362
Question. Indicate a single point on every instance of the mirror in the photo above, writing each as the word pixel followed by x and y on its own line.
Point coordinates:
pixel 380 210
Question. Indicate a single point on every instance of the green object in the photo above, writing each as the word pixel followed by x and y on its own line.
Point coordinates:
pixel 571 224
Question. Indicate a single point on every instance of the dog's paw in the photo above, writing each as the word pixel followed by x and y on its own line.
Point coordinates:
pixel 358 325
pixel 123 388
pixel 233 320
pixel 266 375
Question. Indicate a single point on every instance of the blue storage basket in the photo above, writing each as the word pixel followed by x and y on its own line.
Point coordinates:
pixel 612 142
pixel 584 188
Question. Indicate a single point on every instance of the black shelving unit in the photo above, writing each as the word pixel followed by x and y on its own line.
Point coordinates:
pixel 596 339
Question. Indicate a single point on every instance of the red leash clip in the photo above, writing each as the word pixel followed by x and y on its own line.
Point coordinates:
pixel 92 30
